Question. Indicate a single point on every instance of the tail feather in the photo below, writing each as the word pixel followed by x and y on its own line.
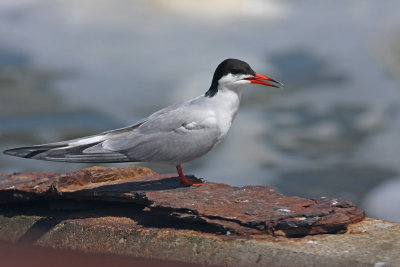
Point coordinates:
pixel 85 149
pixel 30 151
pixel 65 152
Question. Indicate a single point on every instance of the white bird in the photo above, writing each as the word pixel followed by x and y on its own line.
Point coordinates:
pixel 174 135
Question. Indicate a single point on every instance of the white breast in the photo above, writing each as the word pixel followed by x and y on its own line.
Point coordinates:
pixel 225 105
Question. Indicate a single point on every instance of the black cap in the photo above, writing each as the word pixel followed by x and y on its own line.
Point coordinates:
pixel 230 65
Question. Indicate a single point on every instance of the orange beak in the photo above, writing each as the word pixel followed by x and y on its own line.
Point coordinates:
pixel 261 79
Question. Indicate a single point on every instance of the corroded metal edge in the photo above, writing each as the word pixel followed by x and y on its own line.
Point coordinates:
pixel 242 211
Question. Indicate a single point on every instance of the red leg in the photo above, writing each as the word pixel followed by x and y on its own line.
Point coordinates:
pixel 183 179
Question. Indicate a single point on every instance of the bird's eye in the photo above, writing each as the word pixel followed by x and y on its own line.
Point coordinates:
pixel 235 71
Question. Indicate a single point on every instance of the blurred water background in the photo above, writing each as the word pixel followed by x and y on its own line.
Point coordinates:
pixel 74 68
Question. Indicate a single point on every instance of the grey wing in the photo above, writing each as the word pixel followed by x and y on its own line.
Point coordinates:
pixel 173 135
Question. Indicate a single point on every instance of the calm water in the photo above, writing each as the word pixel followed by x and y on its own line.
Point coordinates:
pixel 73 68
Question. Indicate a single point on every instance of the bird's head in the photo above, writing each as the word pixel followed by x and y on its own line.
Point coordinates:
pixel 234 74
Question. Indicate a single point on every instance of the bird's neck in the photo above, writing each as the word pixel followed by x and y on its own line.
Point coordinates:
pixel 226 102
pixel 226 98
pixel 229 97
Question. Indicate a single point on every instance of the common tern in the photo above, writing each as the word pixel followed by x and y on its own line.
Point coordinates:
pixel 173 135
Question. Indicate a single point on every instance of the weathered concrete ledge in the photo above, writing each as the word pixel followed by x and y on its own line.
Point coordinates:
pixel 134 212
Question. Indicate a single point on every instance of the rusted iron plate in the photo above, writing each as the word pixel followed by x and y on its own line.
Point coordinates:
pixel 41 182
pixel 239 210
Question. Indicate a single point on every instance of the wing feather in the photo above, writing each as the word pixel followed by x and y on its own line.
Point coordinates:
pixel 176 134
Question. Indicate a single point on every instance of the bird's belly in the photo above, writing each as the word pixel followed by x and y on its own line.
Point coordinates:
pixel 181 152
pixel 224 124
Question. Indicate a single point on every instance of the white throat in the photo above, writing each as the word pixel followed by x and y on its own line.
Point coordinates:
pixel 233 83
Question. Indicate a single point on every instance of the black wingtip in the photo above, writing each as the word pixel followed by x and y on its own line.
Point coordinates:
pixel 22 152
pixel 34 153
pixel 28 152
pixel 9 152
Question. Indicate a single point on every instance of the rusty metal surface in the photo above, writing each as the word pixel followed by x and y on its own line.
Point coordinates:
pixel 225 209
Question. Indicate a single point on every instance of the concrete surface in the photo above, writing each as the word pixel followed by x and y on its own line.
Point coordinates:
pixel 91 228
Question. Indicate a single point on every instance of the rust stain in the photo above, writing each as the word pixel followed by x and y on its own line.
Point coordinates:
pixel 98 175
pixel 241 211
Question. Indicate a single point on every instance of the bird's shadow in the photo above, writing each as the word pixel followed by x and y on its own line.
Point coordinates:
pixel 166 183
